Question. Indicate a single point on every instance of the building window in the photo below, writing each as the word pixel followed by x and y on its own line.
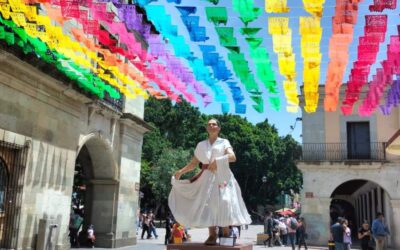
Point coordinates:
pixel 358 141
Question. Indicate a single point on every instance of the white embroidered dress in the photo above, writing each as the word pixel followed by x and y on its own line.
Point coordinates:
pixel 214 199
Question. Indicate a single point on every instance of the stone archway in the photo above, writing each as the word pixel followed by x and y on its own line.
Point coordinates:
pixel 359 200
pixel 322 180
pixel 95 188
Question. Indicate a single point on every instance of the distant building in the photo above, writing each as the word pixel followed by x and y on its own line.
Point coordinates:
pixel 57 141
pixel 348 171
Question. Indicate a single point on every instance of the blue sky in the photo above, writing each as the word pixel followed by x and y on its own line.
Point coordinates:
pixel 282 119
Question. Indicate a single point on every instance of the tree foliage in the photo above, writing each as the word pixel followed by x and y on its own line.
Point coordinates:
pixel 259 149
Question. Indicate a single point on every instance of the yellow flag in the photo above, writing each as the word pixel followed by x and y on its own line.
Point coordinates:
pixel 278 25
pixel 30 12
pixel 31 29
pixel 314 7
pixel 276 6
pixel 310 25
pixel 291 93
pixel 43 20
pixel 18 18
pixel 5 10
pixel 282 43
pixel 17 5
pixel 287 65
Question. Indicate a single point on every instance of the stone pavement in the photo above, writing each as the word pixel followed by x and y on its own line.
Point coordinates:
pixel 200 235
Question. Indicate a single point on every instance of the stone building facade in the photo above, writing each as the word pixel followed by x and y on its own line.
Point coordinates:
pixel 348 172
pixel 58 127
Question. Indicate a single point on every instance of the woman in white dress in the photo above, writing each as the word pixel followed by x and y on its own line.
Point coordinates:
pixel 213 197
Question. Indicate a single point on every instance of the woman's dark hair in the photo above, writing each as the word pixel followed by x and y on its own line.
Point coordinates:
pixel 216 120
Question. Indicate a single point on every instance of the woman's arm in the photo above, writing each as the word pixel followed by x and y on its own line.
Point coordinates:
pixel 231 154
pixel 231 158
pixel 189 167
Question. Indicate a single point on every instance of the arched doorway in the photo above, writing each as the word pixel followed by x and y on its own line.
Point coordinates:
pixel 93 193
pixel 358 201
pixel 344 209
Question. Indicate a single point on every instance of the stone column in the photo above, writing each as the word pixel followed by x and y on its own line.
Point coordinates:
pixel 368 207
pixel 131 140
pixel 373 207
pixel 364 207
pixel 103 193
pixel 395 229
pixel 379 200
pixel 317 217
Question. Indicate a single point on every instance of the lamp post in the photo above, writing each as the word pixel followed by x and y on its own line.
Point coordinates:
pixel 264 180
pixel 283 200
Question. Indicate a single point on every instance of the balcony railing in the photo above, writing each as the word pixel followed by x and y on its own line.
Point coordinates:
pixel 117 104
pixel 374 151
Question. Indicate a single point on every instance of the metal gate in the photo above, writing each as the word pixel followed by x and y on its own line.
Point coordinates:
pixel 12 171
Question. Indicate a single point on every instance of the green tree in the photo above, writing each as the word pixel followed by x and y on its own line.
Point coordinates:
pixel 158 176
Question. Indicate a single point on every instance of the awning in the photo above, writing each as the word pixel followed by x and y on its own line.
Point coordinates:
pixel 286 211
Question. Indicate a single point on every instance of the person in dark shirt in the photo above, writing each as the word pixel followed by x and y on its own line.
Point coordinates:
pixel 364 234
pixel 301 232
pixel 268 226
pixel 337 231
pixel 169 222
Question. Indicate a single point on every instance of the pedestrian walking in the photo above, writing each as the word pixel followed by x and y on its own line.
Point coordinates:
pixel 152 225
pixel 302 233
pixel 283 230
pixel 346 235
pixel 337 232
pixel 168 229
pixel 75 224
pixel 276 233
pixel 268 227
pixel 146 226
pixel 292 225
pixel 379 231
pixel 365 235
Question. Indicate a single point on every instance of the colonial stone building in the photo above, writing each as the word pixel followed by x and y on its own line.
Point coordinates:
pixel 48 130
pixel 348 172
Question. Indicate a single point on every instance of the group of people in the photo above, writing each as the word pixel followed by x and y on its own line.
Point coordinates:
pixel 376 235
pixel 77 234
pixel 284 231
pixel 146 221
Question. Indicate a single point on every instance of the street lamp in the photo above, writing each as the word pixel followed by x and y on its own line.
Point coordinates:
pixel 283 200
pixel 264 179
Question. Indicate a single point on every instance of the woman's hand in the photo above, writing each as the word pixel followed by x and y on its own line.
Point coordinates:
pixel 178 174
pixel 189 167
pixel 213 166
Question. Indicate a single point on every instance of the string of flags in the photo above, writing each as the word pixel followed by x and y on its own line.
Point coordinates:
pixel 114 49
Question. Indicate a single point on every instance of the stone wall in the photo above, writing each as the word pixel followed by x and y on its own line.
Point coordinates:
pixel 59 121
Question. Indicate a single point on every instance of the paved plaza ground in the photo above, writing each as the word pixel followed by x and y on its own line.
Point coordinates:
pixel 200 235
